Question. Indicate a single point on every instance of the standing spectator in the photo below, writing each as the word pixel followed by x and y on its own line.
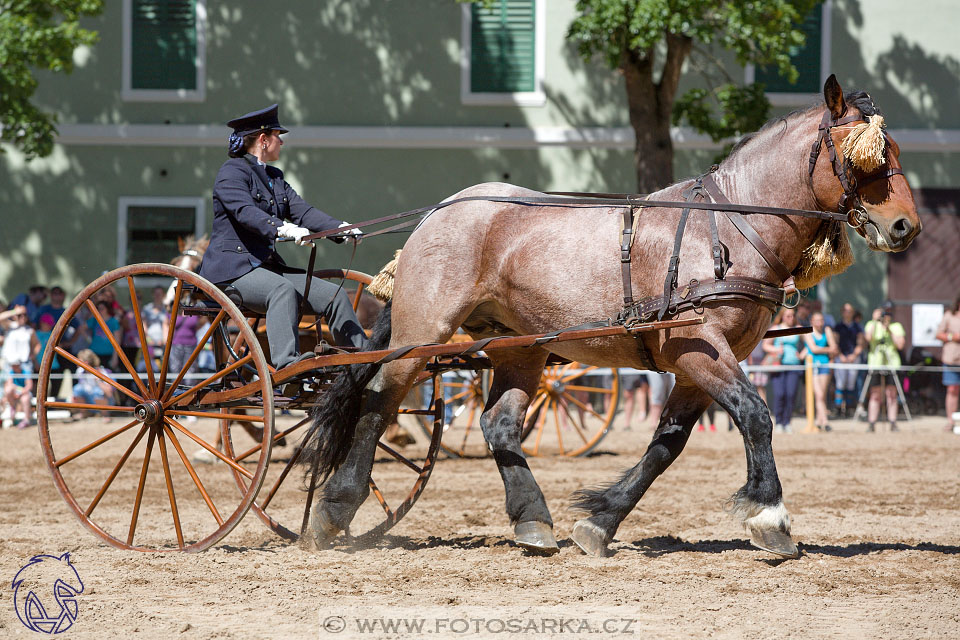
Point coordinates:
pixel 849 335
pixel 20 348
pixel 823 345
pixel 55 307
pixel 949 333
pixel 885 338
pixel 31 300
pixel 184 342
pixel 636 389
pixel 156 317
pixel 759 356
pixel 661 384
pixel 803 312
pixel 89 389
pixel 44 329
pixel 788 350
pixel 109 295
pixel 99 342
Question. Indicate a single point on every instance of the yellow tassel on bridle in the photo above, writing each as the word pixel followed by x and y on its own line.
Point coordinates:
pixel 865 145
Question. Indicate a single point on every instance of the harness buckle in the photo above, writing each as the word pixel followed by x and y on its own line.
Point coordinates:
pixel 857 217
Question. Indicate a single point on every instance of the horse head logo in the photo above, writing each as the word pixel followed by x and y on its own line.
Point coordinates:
pixel 45 593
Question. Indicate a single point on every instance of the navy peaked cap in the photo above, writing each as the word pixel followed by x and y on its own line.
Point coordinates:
pixel 262 120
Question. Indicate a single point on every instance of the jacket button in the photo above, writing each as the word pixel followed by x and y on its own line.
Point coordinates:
pixel 239 248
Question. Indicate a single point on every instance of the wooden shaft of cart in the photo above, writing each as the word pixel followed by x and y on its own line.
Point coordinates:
pixel 448 349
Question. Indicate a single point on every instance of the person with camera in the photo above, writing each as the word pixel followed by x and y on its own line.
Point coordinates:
pixel 885 339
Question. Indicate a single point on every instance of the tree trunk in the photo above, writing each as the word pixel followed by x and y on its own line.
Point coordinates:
pixel 650 106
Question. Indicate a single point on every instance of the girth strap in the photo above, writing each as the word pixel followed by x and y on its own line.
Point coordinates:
pixel 670 282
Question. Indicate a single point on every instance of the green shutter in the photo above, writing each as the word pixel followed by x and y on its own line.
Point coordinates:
pixel 502 47
pixel 164 44
pixel 805 59
pixel 153 231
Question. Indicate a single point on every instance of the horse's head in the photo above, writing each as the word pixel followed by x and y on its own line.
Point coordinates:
pixel 191 252
pixel 860 170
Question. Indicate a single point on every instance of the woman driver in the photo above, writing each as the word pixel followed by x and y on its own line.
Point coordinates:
pixel 253 206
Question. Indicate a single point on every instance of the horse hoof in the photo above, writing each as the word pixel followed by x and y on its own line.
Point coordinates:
pixel 590 538
pixel 320 533
pixel 774 541
pixel 536 537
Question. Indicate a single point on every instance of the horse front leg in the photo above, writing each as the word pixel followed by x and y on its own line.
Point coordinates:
pixel 608 506
pixel 515 379
pixel 759 502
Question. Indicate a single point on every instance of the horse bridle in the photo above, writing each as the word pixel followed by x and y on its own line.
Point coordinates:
pixel 850 203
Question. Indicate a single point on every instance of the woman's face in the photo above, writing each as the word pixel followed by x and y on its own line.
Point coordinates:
pixel 789 317
pixel 817 322
pixel 270 144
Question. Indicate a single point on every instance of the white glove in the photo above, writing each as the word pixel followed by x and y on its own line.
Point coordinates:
pixel 352 232
pixel 290 230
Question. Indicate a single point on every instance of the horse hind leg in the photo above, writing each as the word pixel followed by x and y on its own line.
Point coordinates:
pixel 609 505
pixel 515 378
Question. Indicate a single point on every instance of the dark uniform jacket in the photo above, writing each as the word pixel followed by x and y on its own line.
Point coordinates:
pixel 250 202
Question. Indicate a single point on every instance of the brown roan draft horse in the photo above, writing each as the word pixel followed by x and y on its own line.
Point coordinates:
pixel 497 268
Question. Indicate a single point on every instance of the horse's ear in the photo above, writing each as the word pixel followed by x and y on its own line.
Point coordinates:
pixel 833 96
pixel 180 243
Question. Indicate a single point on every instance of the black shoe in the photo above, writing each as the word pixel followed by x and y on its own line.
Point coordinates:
pixel 871 428
pixel 825 428
pixel 894 427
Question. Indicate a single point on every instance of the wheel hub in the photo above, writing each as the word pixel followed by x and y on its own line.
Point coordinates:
pixel 149 412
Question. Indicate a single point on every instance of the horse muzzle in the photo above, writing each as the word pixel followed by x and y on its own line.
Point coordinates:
pixel 883 234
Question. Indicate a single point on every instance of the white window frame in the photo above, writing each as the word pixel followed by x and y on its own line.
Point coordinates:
pixel 783 99
pixel 123 205
pixel 535 98
pixel 129 94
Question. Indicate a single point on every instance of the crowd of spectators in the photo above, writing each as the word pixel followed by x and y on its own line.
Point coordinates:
pixel 25 329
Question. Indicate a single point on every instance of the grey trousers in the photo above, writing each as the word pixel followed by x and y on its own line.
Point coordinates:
pixel 279 295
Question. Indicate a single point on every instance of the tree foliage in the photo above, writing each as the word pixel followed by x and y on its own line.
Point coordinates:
pixel 36 35
pixel 651 41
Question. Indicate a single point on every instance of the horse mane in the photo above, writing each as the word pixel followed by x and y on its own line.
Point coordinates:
pixel 191 246
pixel 830 253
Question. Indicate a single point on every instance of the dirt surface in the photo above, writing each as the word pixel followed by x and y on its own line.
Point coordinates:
pixel 877 517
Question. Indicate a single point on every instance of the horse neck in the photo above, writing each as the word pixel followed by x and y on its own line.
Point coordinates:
pixel 772 170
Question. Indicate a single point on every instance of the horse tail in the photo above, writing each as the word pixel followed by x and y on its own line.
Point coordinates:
pixel 330 436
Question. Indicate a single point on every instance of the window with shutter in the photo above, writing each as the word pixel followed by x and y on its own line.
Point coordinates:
pixel 806 59
pixel 163 49
pixel 503 52
pixel 149 227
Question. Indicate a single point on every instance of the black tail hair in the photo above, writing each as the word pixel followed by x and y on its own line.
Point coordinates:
pixel 328 441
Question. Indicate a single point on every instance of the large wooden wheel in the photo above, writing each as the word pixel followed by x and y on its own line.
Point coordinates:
pixel 135 485
pixel 403 470
pixel 571 411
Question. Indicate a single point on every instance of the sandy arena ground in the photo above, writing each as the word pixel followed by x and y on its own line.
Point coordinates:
pixel 877 517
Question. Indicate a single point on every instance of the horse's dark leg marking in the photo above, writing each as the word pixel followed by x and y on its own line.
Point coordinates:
pixel 514 382
pixel 609 505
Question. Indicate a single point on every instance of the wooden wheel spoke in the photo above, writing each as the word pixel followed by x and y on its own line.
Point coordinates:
pixel 281 478
pixel 571 387
pixel 579 373
pixel 216 376
pixel 193 355
pixel 241 417
pixel 193 474
pixel 116 347
pixel 399 457
pixel 209 447
pixel 143 480
pixel 379 495
pixel 539 423
pixel 174 310
pixel 276 437
pixel 83 365
pixel 587 408
pixel 95 443
pixel 578 428
pixel 556 422
pixel 461 395
pixel 116 470
pixel 135 306
pixel 95 407
pixel 173 498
